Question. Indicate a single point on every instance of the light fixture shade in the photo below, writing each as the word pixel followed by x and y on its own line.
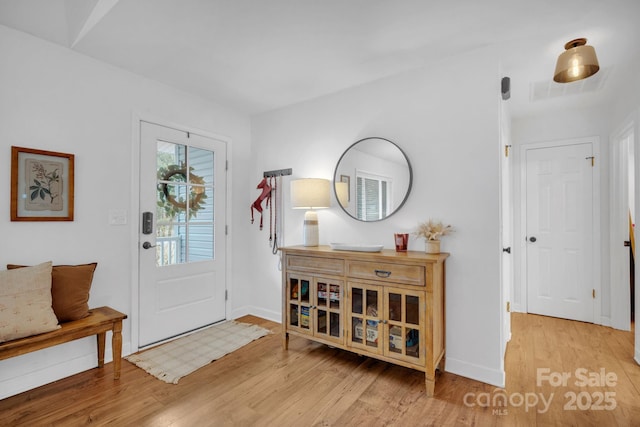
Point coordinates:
pixel 310 193
pixel 577 62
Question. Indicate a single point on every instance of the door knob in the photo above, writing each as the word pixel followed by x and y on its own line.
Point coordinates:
pixel 148 245
pixel 532 239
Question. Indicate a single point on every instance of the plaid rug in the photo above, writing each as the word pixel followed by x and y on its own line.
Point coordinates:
pixel 173 360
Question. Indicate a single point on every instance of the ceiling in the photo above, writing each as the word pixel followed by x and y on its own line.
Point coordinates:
pixel 258 55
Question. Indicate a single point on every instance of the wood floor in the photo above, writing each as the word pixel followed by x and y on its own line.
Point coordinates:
pixel 314 385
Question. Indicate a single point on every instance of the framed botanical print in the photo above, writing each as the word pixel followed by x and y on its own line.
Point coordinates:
pixel 41 185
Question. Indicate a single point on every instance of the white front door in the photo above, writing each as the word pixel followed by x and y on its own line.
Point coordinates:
pixel 559 231
pixel 182 232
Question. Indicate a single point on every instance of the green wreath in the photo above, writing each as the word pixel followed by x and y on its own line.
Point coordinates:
pixel 174 206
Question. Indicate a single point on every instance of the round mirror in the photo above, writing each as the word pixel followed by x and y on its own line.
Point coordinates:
pixel 372 179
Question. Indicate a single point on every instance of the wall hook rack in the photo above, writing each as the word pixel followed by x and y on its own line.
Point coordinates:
pixel 278 172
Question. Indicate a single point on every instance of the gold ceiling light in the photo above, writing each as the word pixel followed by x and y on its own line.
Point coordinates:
pixel 577 62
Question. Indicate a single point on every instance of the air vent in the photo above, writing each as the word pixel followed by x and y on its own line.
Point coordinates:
pixel 549 89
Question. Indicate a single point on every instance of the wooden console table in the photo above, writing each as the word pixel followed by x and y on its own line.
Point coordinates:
pixel 387 305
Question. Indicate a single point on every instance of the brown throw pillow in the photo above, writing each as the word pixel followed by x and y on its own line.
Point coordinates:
pixel 70 286
pixel 25 302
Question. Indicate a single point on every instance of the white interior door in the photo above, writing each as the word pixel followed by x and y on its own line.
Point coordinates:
pixel 182 233
pixel 506 224
pixel 507 241
pixel 621 210
pixel 559 231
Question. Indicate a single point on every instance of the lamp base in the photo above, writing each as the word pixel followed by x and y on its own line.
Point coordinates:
pixel 310 229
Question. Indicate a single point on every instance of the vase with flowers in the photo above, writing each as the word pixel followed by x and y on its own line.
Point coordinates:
pixel 431 231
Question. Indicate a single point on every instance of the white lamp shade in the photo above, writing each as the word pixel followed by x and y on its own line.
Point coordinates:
pixel 310 193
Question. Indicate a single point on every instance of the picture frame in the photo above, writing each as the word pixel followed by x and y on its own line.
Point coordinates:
pixel 347 179
pixel 42 185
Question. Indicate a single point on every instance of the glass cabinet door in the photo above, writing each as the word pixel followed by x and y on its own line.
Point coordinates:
pixel 405 320
pixel 299 301
pixel 364 317
pixel 328 309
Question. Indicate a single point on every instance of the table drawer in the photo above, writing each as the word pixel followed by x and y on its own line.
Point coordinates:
pixel 396 273
pixel 316 264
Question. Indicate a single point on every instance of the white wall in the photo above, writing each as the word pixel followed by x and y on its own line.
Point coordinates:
pixel 54 99
pixel 446 121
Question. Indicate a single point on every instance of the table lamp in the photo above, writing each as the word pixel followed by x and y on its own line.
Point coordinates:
pixel 310 194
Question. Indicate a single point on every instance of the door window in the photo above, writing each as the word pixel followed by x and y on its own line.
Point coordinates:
pixel 185 201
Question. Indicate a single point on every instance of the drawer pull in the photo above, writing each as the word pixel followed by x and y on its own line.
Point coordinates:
pixel 383 273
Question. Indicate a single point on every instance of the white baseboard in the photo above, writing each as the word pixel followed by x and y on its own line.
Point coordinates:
pixel 475 372
pixel 458 367
pixel 274 316
pixel 517 308
pixel 604 321
pixel 239 312
pixel 619 325
pixel 48 373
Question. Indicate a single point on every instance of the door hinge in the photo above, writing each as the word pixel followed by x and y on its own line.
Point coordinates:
pixel 188 135
pixel 593 293
pixel 226 165
pixel 508 307
pixel 506 150
pixel 226 295
pixel 226 230
pixel 593 160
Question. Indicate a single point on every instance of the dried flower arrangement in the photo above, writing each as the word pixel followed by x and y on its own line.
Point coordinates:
pixel 432 230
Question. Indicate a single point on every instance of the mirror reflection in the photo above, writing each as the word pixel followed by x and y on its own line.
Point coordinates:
pixel 372 179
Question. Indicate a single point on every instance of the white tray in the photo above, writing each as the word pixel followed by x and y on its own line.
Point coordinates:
pixel 355 247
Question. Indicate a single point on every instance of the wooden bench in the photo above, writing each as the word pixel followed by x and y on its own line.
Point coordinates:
pixel 99 322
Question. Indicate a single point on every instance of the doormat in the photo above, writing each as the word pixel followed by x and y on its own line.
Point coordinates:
pixel 173 360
